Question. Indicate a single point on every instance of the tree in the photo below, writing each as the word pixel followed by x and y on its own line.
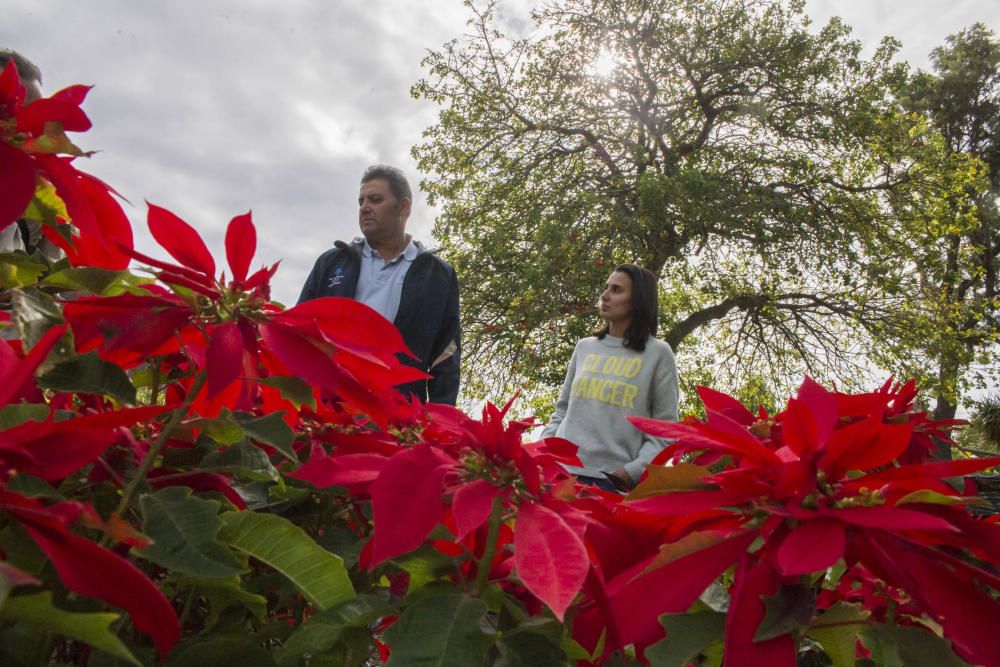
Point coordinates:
pixel 961 98
pixel 763 172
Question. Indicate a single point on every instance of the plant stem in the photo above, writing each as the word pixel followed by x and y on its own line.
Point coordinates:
pixel 154 451
pixel 188 601
pixel 155 388
pixel 976 452
pixel 484 562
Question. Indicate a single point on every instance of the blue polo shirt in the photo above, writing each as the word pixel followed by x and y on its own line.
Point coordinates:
pixel 380 283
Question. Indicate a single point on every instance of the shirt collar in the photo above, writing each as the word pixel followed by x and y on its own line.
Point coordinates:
pixel 410 252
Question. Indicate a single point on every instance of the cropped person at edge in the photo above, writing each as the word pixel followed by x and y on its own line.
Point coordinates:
pixel 409 285
pixel 26 235
pixel 620 371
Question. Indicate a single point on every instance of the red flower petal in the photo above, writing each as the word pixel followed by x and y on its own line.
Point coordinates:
pixel 746 611
pixel 726 405
pixel 241 244
pixel 864 445
pixel 348 324
pixel 951 596
pixel 88 569
pixel 75 94
pixel 930 471
pixel 16 376
pixel 66 179
pixel 407 501
pixel 684 502
pixel 58 449
pixel 17 183
pixel 672 588
pixel 312 360
pixel 720 433
pixel 33 117
pixel 472 505
pixel 893 519
pixel 348 470
pixel 809 419
pixel 180 240
pixel 225 357
pixel 550 558
pixel 11 90
pixel 126 329
pixel 813 546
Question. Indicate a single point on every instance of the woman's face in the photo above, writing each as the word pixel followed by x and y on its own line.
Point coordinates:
pixel 616 300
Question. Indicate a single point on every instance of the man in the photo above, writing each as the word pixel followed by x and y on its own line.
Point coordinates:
pixel 26 234
pixel 390 272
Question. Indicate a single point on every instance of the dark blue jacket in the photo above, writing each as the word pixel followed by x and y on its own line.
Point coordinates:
pixel 427 317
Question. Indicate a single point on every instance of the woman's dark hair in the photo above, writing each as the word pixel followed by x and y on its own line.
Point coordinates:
pixel 645 308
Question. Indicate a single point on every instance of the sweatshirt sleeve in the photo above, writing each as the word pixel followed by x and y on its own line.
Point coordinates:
pixel 663 406
pixel 563 403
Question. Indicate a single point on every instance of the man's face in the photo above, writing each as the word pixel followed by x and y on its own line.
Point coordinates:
pixel 381 216
pixel 32 90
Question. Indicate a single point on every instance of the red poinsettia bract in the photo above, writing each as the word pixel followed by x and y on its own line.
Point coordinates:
pixel 225 327
pixel 52 450
pixel 35 152
pixel 816 484
pixel 468 474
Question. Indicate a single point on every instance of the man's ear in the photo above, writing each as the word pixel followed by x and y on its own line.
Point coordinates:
pixel 405 206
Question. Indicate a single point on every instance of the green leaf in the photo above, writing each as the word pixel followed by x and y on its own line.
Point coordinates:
pixel 537 642
pixel 222 593
pixel 240 651
pixel 270 430
pixel 688 635
pixel 935 498
pixel 916 647
pixel 222 429
pixel 792 608
pixel 32 487
pixel 23 645
pixel 440 631
pixel 344 542
pixel 245 459
pixel 92 629
pixel 93 280
pixel 46 206
pixel 293 389
pixel 319 575
pixel 837 629
pixel 18 270
pixel 323 630
pixel 89 374
pixel 184 529
pixel 35 313
pixel 21 551
pixel 424 565
pixel 12 577
pixel 18 413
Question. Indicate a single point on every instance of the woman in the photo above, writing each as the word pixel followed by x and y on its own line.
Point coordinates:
pixel 619 372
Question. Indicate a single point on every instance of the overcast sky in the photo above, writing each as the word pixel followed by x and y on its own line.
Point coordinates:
pixel 212 108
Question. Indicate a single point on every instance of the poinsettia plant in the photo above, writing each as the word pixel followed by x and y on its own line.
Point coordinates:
pixel 192 474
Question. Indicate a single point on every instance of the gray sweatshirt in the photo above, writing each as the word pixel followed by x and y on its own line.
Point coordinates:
pixel 605 383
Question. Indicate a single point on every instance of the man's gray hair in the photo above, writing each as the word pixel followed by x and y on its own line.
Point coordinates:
pixel 25 68
pixel 398 184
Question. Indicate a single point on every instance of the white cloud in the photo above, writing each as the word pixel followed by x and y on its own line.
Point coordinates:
pixel 211 108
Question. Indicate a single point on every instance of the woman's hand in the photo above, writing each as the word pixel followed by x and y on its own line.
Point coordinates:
pixel 621 479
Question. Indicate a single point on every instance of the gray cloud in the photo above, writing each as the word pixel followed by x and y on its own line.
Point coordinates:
pixel 213 108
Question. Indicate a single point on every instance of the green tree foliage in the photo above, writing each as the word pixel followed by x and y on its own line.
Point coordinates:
pixel 764 172
pixel 961 98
